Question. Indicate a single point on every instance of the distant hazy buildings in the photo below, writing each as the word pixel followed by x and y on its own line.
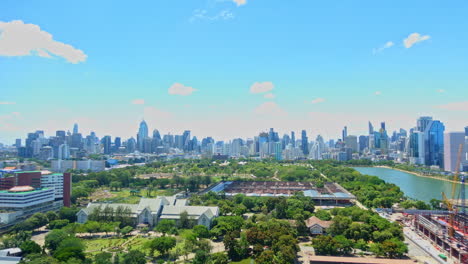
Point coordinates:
pixel 452 143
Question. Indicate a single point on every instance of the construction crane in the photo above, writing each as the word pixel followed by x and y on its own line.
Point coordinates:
pixel 449 202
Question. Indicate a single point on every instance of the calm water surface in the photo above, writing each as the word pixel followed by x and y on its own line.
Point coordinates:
pixel 413 186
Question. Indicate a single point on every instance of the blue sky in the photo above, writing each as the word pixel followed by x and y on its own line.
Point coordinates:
pixel 319 65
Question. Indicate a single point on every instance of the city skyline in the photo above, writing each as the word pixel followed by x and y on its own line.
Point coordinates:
pixel 230 69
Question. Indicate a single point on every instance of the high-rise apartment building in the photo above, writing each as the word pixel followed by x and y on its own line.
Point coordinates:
pixel 304 143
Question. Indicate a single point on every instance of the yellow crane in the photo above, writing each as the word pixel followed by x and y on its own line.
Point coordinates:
pixel 448 202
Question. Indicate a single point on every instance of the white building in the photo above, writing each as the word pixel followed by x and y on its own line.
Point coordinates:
pixel 85 165
pixel 20 202
pixel 151 211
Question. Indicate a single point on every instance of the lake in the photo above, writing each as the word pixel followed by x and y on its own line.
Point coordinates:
pixel 413 186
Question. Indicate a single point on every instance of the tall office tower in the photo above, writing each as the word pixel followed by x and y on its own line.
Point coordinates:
pixel 131 145
pixel 107 142
pixel 156 135
pixel 236 145
pixel 344 133
pixel 434 144
pixel 186 140
pixel 363 143
pixel 416 147
pixel 29 150
pixel 271 135
pixel 371 128
pixel 76 141
pixel 315 151
pixel 352 143
pixel 452 143
pixel 285 141
pixel 382 125
pixel 75 128
pixel 142 135
pixel 117 143
pixel 147 145
pixel 168 140
pixel 194 144
pixel 278 151
pixel 383 138
pixel 304 143
pixel 179 141
pixel 403 133
pixel 60 134
pixel 18 143
pixel 293 139
pixel 63 152
pixel 423 122
pixel 321 143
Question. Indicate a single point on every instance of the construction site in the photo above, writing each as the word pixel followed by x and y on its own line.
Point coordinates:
pixel 447 230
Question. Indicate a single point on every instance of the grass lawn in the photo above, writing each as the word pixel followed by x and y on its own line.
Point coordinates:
pixel 124 195
pixel 95 246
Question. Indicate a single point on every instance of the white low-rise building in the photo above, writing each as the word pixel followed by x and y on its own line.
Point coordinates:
pixel 151 210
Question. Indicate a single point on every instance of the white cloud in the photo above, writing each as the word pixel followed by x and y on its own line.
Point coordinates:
pixel 387 45
pixel 240 2
pixel 270 108
pixel 378 93
pixel 7 103
pixel 202 14
pixel 455 106
pixel 19 39
pixel 441 91
pixel 413 39
pixel 180 89
pixel 269 96
pixel 261 87
pixel 318 100
pixel 138 101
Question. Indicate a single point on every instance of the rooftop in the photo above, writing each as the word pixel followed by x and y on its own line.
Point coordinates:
pixel 329 190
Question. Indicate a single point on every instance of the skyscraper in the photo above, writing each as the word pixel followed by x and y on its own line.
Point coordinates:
pixel 75 128
pixel 452 143
pixel 344 133
pixel 293 139
pixel 434 144
pixel 142 135
pixel 117 143
pixel 423 122
pixel 352 143
pixel 363 143
pixel 304 143
pixel 371 128
pixel 106 142
pixel 186 140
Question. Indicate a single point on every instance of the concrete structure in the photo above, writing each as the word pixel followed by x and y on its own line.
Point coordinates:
pixel 151 211
pixel 435 228
pixel 452 142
